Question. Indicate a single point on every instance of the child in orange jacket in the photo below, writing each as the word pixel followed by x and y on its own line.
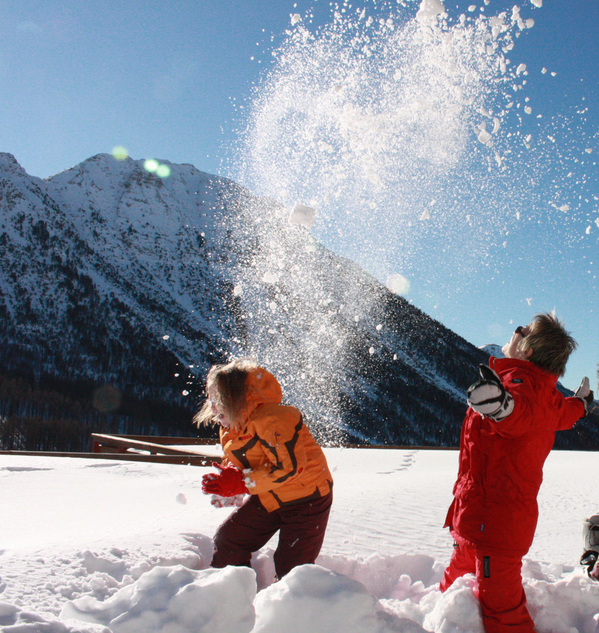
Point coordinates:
pixel 270 454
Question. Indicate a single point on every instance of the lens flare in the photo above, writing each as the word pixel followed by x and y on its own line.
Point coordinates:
pixel 154 167
pixel 164 171
pixel 120 153
pixel 151 165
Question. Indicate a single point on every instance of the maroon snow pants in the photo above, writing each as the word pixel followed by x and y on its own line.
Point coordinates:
pixel 498 588
pixel 301 532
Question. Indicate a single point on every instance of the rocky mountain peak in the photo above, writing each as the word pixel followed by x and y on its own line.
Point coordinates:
pixel 113 275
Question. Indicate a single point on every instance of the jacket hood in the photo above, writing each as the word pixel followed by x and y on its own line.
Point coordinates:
pixel 261 387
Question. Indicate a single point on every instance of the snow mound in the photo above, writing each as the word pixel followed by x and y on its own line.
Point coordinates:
pixel 175 600
pixel 312 598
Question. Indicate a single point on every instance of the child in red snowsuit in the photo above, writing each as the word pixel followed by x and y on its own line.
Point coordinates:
pixel 509 429
pixel 271 456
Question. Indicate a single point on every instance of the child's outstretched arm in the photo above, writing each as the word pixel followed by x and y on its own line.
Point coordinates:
pixel 489 397
pixel 585 394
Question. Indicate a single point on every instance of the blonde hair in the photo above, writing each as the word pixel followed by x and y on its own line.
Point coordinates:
pixel 550 343
pixel 228 384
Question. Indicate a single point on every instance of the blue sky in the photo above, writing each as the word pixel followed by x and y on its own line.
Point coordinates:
pixel 504 231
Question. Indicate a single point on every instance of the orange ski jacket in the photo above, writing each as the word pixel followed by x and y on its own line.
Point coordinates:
pixel 286 465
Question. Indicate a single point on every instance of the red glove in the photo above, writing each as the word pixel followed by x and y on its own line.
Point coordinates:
pixel 228 483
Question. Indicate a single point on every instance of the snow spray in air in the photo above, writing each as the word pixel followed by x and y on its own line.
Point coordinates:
pixel 382 136
pixel 375 118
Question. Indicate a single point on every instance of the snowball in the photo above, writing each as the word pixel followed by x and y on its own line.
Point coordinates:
pixel 397 283
pixel 483 136
pixel 295 18
pixel 428 12
pixel 270 278
pixel 303 215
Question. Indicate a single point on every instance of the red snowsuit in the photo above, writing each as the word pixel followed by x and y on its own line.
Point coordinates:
pixel 494 513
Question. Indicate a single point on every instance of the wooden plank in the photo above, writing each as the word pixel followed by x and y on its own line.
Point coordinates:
pixel 156 449
pixel 102 442
pixel 190 459
pixel 164 439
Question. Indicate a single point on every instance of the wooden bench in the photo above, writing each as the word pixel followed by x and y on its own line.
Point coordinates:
pixel 172 450
pixel 168 450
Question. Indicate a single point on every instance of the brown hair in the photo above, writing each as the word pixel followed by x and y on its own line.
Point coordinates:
pixel 228 384
pixel 550 343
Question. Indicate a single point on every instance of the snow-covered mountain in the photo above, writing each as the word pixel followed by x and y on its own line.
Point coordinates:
pixel 119 288
pixel 493 350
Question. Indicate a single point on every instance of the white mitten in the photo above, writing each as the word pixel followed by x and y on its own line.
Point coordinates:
pixel 489 397
pixel 585 394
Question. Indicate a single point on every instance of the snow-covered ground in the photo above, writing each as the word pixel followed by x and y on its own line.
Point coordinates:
pixel 124 547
